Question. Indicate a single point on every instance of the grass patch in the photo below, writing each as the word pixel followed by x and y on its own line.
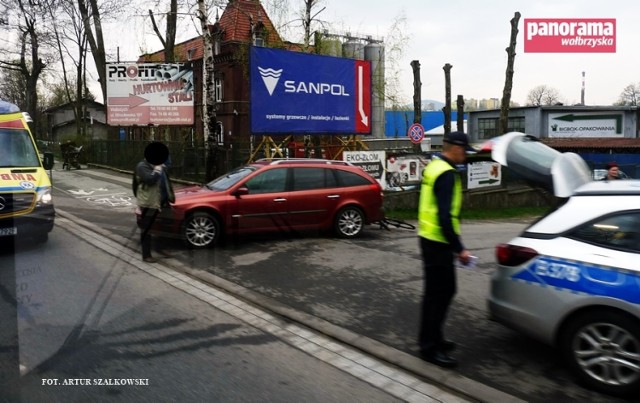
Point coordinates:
pixel 477 214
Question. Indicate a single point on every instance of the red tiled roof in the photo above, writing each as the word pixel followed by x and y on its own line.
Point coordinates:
pixel 235 24
pixel 238 16
pixel 566 143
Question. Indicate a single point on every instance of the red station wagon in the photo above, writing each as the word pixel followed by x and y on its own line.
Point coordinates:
pixel 276 195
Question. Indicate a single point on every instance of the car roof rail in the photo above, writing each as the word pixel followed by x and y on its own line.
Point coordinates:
pixel 280 161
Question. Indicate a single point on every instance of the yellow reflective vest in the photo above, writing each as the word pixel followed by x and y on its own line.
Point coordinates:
pixel 428 224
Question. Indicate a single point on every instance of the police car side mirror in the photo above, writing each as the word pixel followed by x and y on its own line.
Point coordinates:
pixel 48 161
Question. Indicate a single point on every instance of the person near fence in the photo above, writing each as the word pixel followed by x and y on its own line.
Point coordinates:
pixel 613 172
pixel 439 234
pixel 151 179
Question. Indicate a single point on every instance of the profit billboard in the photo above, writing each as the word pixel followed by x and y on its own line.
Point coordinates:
pixel 293 92
pixel 149 93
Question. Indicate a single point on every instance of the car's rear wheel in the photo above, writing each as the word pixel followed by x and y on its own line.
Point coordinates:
pixel 349 222
pixel 201 230
pixel 603 349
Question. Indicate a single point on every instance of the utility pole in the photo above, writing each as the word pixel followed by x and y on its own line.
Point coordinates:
pixel 582 92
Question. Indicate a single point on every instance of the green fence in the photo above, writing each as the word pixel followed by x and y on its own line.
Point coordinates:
pixel 187 162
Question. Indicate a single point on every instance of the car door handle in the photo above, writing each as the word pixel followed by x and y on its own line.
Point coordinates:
pixel 333 197
pixel 280 200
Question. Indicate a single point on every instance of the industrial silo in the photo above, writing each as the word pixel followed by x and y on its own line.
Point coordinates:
pixel 353 49
pixel 330 47
pixel 374 52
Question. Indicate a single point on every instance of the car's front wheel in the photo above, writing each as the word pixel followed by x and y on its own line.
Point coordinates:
pixel 349 222
pixel 603 349
pixel 201 230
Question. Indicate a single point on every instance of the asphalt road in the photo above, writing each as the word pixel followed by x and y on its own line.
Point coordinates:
pixel 370 286
pixel 96 324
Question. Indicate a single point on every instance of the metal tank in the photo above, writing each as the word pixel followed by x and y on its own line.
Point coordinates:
pixel 374 52
pixel 331 47
pixel 353 49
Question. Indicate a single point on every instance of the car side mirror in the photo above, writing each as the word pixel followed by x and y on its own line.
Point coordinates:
pixel 241 191
pixel 48 161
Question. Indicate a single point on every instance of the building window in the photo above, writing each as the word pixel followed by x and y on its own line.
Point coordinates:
pixel 488 127
pixel 259 34
pixel 216 44
pixel 219 89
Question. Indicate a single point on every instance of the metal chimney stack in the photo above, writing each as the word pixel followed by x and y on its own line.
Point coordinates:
pixel 582 92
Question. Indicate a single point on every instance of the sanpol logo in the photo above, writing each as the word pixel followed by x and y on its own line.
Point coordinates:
pixel 270 77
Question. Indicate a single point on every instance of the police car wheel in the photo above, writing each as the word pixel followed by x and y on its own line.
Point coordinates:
pixel 603 349
pixel 349 222
pixel 201 230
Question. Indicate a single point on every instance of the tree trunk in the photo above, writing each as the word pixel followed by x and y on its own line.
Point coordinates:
pixel 460 119
pixel 447 105
pixel 417 96
pixel 96 41
pixel 208 94
pixel 508 83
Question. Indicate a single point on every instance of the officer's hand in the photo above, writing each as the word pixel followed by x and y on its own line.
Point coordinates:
pixel 157 169
pixel 464 256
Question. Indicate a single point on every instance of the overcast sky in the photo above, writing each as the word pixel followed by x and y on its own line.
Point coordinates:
pixel 472 36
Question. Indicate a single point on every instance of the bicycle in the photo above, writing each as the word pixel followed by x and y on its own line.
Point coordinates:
pixel 386 222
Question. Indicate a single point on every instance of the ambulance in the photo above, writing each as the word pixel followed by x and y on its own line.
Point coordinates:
pixel 26 203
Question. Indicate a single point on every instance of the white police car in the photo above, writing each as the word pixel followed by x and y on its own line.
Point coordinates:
pixel 572 279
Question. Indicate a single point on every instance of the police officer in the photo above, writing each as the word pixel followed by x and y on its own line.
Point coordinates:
pixel 439 235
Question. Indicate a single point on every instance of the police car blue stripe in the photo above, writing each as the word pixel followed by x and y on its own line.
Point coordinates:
pixel 578 277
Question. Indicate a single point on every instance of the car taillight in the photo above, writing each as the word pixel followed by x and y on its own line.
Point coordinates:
pixel 512 255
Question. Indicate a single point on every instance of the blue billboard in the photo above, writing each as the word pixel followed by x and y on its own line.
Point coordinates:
pixel 293 92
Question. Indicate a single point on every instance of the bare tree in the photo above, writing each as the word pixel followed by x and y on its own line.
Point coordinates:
pixel 30 25
pixel 14 87
pixel 306 17
pixel 208 98
pixel 395 43
pixel 508 83
pixel 310 12
pixel 630 95
pixel 279 13
pixel 92 15
pixel 168 41
pixel 71 41
pixel 543 95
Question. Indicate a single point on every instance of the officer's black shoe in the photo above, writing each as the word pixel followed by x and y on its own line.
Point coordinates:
pixel 440 358
pixel 447 345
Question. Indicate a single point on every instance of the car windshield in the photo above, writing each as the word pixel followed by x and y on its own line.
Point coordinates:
pixel 229 179
pixel 16 149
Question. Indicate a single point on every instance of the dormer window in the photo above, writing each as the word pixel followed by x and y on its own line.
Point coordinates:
pixel 259 35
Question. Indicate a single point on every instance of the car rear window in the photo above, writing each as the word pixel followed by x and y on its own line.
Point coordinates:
pixel 346 179
pixel 313 178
